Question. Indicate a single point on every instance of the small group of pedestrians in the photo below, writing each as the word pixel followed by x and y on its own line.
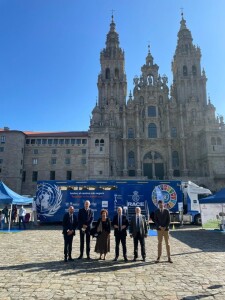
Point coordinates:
pixel 4 216
pixel 137 229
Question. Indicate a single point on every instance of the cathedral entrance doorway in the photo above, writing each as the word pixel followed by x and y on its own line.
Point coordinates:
pixel 147 170
pixel 153 165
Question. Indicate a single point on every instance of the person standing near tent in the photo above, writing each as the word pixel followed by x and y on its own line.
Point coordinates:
pixel 5 211
pixel 22 214
pixel 2 217
pixel 14 213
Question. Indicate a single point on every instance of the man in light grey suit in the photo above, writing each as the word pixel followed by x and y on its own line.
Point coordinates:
pixel 138 231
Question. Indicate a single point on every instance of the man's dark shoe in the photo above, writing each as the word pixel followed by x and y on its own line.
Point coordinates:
pixel 125 258
pixel 157 260
pixel 143 259
pixel 70 259
pixel 65 259
pixel 170 260
pixel 135 259
pixel 80 257
pixel 88 258
pixel 115 259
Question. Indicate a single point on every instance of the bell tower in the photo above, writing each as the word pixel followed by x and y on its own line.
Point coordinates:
pixel 107 117
pixel 189 93
pixel 189 80
pixel 112 84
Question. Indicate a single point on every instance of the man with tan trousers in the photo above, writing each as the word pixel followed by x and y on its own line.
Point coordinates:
pixel 162 222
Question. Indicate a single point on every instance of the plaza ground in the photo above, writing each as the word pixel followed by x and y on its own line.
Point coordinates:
pixel 32 267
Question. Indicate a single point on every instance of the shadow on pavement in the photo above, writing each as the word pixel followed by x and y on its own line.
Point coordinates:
pixel 77 266
pixel 205 240
pixel 212 287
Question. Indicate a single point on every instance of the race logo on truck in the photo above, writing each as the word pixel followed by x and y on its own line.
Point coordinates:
pixel 49 198
pixel 136 200
pixel 165 193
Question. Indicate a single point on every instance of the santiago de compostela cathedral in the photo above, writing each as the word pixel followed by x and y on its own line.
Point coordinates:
pixel 154 133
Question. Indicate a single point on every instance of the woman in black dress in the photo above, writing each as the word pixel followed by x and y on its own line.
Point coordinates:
pixel 103 227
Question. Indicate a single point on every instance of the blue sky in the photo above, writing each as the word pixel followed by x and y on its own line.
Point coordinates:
pixel 50 49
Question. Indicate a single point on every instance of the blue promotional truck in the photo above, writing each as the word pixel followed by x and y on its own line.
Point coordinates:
pixel 54 197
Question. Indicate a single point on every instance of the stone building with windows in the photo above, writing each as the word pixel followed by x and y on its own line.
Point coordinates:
pixel 157 133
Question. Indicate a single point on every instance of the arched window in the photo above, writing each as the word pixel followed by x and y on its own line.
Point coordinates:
pixel 150 79
pixel 151 111
pixel 131 160
pixel 101 142
pixel 116 73
pixel 157 155
pixel 153 155
pixel 194 71
pixel 213 141
pixel 175 159
pixel 107 73
pixel 130 133
pixel 185 71
pixel 96 143
pixel 152 130
pixel 218 141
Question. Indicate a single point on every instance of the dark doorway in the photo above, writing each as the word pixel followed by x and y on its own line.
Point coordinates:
pixel 148 170
pixel 159 171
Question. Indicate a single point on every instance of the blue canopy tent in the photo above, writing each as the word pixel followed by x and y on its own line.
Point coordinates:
pixel 213 210
pixel 9 197
pixel 219 197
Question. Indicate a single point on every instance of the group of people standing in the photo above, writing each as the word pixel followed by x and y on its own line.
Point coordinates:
pixel 137 230
pixel 5 216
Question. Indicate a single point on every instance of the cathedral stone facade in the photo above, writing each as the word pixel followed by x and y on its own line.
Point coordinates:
pixel 157 133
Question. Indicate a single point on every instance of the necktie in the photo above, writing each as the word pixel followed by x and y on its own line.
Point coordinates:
pixel 138 222
pixel 71 219
pixel 119 223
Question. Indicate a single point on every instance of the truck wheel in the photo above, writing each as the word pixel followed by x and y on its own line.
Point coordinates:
pixel 198 220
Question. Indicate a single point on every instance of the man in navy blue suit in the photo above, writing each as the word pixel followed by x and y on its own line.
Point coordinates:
pixel 85 218
pixel 138 230
pixel 69 226
pixel 120 224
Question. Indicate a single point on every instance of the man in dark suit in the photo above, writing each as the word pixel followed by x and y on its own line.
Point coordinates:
pixel 85 218
pixel 138 230
pixel 120 224
pixel 162 222
pixel 69 226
